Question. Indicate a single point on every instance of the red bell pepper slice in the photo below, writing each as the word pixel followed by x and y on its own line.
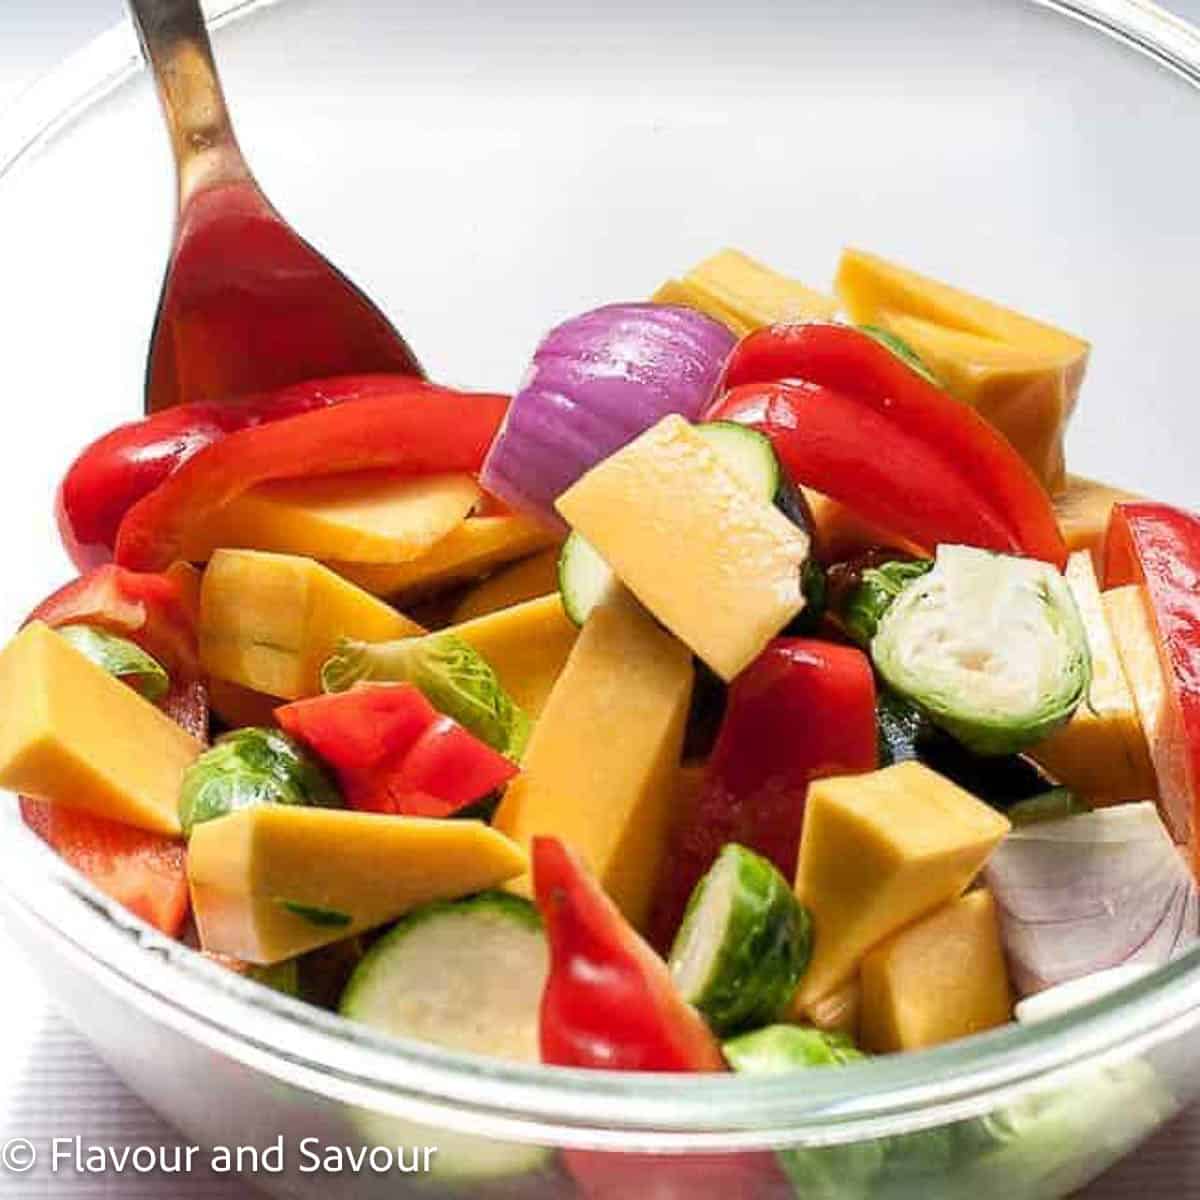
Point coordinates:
pixel 609 1002
pixel 413 427
pixel 852 419
pixel 145 872
pixel 1158 547
pixel 452 764
pixel 121 467
pixel 360 728
pixel 803 710
pixel 393 751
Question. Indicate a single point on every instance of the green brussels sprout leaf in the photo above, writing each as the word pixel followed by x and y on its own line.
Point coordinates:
pixel 454 676
pixel 120 657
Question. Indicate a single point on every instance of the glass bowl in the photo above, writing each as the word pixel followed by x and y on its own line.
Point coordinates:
pixel 484 170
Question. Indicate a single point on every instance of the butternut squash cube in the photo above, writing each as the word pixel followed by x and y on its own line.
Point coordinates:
pixel 938 980
pixel 717 566
pixel 1132 625
pixel 744 294
pixel 525 580
pixel 72 734
pixel 877 852
pixel 601 770
pixel 269 621
pixel 685 294
pixel 1021 374
pixel 271 882
pixel 1101 753
pixel 478 545
pixel 368 516
pixel 1083 509
pixel 526 645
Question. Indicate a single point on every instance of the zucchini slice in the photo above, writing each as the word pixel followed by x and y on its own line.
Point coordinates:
pixel 464 974
pixel 584 578
pixel 467 975
pixel 748 454
pixel 744 943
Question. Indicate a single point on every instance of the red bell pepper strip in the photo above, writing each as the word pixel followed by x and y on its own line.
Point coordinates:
pixel 121 467
pixel 609 1003
pixel 360 728
pixel 144 871
pixel 416 428
pixel 393 751
pixel 803 710
pixel 852 419
pixel 452 764
pixel 1158 547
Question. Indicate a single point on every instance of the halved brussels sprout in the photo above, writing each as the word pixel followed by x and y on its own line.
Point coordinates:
pixel 990 647
pixel 456 679
pixel 248 767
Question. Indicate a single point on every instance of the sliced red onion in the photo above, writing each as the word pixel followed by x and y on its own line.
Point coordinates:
pixel 1100 890
pixel 596 382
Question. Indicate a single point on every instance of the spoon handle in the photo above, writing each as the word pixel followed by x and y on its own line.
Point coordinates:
pixel 175 42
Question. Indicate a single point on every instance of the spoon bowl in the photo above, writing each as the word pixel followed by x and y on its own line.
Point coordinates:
pixel 247 305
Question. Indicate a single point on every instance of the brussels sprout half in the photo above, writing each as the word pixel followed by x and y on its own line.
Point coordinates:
pixel 990 647
pixel 248 767
pixel 454 676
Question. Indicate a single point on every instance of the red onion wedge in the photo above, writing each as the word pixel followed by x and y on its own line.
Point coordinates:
pixel 1095 891
pixel 596 382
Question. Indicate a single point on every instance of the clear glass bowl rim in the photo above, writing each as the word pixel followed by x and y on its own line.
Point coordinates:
pixel 330 1057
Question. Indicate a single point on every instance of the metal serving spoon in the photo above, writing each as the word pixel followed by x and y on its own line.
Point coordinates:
pixel 247 305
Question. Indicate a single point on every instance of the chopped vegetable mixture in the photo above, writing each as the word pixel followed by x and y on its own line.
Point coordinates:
pixel 754 690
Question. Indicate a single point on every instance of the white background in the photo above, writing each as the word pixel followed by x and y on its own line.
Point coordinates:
pixel 50 1084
